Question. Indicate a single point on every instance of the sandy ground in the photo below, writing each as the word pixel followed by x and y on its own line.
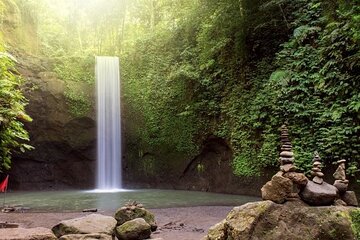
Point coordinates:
pixel 188 223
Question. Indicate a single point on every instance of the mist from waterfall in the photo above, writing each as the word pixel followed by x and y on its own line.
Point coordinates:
pixel 109 177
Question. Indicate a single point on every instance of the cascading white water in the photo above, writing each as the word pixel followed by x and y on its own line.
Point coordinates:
pixel 108 124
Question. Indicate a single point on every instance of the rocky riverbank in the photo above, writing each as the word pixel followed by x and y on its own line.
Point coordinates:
pixel 186 223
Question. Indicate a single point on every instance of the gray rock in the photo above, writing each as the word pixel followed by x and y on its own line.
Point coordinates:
pixel 318 180
pixel 317 164
pixel 319 174
pixel 93 223
pixel 277 190
pixel 95 236
pixel 339 202
pixel 26 234
pixel 124 214
pixel 350 198
pixel 341 186
pixel 286 154
pixel 136 229
pixel 286 160
pixel 319 194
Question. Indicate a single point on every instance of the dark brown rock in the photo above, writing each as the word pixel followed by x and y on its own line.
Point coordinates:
pixel 288 167
pixel 286 154
pixel 277 190
pixel 350 198
pixel 319 194
pixel 341 186
pixel 297 178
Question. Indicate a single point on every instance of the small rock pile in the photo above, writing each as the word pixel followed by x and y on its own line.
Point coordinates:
pixel 286 155
pixel 134 222
pixel 288 184
pixel 316 170
pixel 131 222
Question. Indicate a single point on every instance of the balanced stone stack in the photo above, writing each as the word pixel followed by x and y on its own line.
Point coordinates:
pixel 341 183
pixel 316 170
pixel 286 154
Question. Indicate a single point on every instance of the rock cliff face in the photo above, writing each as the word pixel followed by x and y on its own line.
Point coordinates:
pixel 64 151
pixel 267 220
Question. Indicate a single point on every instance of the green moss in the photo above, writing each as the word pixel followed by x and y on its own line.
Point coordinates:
pixel 355 225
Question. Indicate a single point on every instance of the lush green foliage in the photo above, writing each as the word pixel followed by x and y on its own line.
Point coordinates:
pixel 355 219
pixel 236 69
pixel 12 133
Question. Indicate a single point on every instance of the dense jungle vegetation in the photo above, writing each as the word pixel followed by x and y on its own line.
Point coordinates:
pixel 235 69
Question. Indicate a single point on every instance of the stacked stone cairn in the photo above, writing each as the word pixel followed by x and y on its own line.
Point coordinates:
pixel 286 155
pixel 288 185
pixel 341 183
pixel 316 170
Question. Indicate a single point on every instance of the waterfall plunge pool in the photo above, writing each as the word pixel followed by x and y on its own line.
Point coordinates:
pixel 70 201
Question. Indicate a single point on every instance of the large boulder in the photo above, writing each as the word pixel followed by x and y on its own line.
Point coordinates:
pixel 93 223
pixel 94 236
pixel 268 220
pixel 278 189
pixel 27 234
pixel 128 213
pixel 136 229
pixel 319 194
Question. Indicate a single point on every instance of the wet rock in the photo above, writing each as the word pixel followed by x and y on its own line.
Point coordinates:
pixel 277 189
pixel 93 223
pixel 96 236
pixel 349 197
pixel 136 229
pixel 125 214
pixel 267 220
pixel 319 194
pixel 26 234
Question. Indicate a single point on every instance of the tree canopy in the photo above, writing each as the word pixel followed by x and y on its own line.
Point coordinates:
pixel 235 69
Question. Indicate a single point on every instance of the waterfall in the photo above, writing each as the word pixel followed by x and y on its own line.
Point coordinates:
pixel 108 124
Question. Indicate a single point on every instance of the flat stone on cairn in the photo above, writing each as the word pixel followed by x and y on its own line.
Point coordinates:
pixel 341 183
pixel 286 155
pixel 317 192
pixel 316 170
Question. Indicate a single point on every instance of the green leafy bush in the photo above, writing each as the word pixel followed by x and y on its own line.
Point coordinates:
pixel 13 136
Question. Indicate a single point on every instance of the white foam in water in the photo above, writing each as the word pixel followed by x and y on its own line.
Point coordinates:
pixel 108 124
pixel 114 190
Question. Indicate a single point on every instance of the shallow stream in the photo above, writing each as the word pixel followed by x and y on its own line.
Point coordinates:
pixel 68 201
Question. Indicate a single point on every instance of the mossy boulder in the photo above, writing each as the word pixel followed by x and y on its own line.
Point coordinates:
pixel 136 229
pixel 125 214
pixel 268 220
